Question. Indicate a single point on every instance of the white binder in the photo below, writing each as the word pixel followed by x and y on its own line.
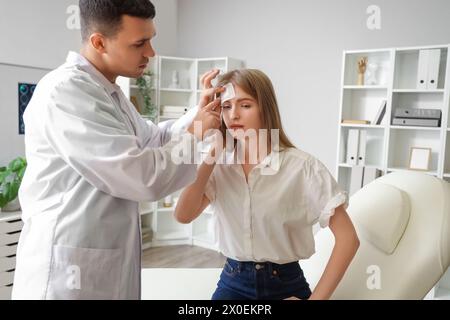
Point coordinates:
pixel 352 147
pixel 422 70
pixel 362 148
pixel 356 179
pixel 434 59
pixel 370 174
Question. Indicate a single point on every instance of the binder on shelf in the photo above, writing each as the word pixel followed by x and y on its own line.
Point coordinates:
pixel 418 113
pixel 352 146
pixel 434 58
pixel 356 179
pixel 362 148
pixel 422 70
pixel 416 122
pixel 428 69
pixel 380 113
pixel 370 174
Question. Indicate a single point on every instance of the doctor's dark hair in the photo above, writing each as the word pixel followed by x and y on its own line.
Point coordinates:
pixel 105 16
pixel 257 84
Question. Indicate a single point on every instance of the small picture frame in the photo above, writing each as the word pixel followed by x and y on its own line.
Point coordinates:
pixel 419 159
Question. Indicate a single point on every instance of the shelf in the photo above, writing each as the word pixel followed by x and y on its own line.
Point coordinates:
pixel 416 128
pixel 418 91
pixel 6 215
pixel 369 126
pixel 163 209
pixel 169 118
pixel 177 90
pixel 144 212
pixel 171 235
pixel 180 59
pixel 447 175
pixel 146 230
pixel 135 86
pixel 374 87
pixel 346 165
pixel 393 169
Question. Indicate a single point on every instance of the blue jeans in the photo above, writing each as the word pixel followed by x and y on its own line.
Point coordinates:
pixel 258 281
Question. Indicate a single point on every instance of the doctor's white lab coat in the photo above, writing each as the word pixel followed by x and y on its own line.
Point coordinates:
pixel 91 159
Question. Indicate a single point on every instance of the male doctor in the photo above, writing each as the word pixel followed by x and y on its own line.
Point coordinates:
pixel 92 158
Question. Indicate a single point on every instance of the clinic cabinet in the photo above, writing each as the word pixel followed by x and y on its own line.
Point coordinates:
pixel 396 77
pixel 10 227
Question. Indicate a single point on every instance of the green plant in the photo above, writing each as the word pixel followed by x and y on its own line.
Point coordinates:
pixel 144 84
pixel 10 180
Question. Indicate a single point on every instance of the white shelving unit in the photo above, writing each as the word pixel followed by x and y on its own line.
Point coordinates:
pixel 388 146
pixel 159 227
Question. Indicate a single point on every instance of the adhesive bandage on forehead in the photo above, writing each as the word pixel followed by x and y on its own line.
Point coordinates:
pixel 228 94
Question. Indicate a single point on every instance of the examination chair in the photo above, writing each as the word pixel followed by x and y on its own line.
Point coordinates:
pixel 402 221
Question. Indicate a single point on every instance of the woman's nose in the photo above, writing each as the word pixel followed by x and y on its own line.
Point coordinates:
pixel 234 113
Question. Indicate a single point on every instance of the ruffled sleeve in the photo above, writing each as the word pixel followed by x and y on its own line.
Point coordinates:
pixel 324 194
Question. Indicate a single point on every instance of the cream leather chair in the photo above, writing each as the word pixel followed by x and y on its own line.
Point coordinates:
pixel 403 223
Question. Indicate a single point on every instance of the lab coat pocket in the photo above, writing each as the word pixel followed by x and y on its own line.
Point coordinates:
pixel 84 273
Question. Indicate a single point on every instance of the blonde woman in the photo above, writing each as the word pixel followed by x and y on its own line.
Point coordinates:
pixel 265 209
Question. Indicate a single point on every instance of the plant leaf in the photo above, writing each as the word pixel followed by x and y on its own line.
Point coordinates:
pixel 14 190
pixel 3 201
pixel 6 191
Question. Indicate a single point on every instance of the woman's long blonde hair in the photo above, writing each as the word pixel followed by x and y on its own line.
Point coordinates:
pixel 257 84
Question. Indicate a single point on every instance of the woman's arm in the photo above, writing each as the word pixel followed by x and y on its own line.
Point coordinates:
pixel 193 201
pixel 345 247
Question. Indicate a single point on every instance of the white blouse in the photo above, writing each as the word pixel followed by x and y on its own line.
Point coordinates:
pixel 270 218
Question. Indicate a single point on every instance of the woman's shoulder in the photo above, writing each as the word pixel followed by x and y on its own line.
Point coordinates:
pixel 301 161
pixel 298 155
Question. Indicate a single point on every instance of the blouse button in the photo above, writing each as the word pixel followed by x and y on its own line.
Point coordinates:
pixel 274 272
pixel 258 266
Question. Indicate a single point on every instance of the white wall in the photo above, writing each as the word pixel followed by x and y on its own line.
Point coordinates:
pixel 35 33
pixel 299 44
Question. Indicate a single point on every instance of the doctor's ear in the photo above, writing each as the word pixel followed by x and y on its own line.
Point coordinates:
pixel 98 42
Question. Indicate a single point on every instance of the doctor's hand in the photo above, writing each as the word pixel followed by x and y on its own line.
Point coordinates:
pixel 208 92
pixel 207 118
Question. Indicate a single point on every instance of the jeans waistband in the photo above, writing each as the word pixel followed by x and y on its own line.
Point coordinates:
pixel 242 265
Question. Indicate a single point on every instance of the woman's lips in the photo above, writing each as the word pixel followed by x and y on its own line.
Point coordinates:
pixel 236 127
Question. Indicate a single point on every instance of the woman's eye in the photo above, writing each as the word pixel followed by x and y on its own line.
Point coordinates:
pixel 225 107
pixel 139 45
pixel 246 106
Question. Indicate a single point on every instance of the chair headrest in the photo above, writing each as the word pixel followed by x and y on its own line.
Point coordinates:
pixel 380 212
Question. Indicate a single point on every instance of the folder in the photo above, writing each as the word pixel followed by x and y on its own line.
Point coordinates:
pixel 362 148
pixel 370 174
pixel 434 59
pixel 380 113
pixel 356 179
pixel 352 146
pixel 422 70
